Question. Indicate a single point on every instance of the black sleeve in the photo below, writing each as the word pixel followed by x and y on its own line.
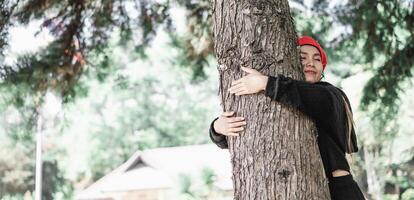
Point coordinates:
pixel 218 139
pixel 311 99
pixel 333 157
pixel 322 102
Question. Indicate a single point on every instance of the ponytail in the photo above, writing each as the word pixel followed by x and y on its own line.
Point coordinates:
pixel 350 125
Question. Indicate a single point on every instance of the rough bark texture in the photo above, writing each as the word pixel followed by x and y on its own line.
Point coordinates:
pixel 375 175
pixel 276 157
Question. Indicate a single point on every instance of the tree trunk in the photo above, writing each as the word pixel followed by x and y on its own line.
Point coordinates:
pixel 276 157
pixel 375 173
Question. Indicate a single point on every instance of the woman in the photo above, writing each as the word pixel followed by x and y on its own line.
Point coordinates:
pixel 327 105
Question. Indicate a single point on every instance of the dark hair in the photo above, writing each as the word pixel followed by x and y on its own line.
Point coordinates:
pixel 349 125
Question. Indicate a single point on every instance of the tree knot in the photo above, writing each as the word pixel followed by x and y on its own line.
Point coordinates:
pixel 284 173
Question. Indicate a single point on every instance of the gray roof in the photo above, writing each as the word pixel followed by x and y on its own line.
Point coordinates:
pixel 159 169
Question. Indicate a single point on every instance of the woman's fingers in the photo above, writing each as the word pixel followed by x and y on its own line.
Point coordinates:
pixel 235 87
pixel 234 119
pixel 237 124
pixel 236 82
pixel 242 92
pixel 232 134
pixel 247 86
pixel 238 129
pixel 238 91
pixel 227 114
pixel 249 70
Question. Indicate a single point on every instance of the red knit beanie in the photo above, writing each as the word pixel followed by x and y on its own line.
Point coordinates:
pixel 306 40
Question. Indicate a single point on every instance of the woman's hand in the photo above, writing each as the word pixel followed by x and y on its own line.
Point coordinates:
pixel 254 82
pixel 228 125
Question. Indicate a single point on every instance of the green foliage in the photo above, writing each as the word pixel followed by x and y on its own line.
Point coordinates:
pixel 13 197
pixel 185 184
pixel 208 176
pixel 17 159
pixel 15 100
pixel 376 33
pixel 159 116
pixel 196 45
pixel 190 57
pixel 82 27
pixel 159 111
pixel 408 194
pixel 382 91
pixel 54 182
pixel 15 169
pixel 7 8
pixel 384 28
pixel 192 187
pixel 377 28
pixel 163 110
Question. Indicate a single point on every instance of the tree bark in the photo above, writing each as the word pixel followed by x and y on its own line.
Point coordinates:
pixel 276 157
pixel 375 173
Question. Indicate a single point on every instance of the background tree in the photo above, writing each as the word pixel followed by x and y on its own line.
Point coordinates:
pixel 17 158
pixel 160 114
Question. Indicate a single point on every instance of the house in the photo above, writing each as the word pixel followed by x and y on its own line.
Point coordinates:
pixel 155 175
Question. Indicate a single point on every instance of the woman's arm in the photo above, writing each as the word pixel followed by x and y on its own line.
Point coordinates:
pixel 312 99
pixel 218 139
pixel 225 125
pixel 324 103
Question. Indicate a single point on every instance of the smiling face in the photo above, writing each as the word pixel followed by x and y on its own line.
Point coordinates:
pixel 311 62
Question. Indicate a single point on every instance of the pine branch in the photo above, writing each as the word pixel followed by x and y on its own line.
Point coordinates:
pixel 6 11
pixel 384 88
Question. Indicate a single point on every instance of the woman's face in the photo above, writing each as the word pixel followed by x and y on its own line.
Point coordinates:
pixel 312 63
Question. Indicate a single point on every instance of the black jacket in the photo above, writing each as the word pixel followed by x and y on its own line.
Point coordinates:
pixel 322 102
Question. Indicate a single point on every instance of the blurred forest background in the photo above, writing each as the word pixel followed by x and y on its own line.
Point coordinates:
pixel 104 78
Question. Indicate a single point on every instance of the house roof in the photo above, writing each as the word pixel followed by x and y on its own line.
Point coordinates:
pixel 159 169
